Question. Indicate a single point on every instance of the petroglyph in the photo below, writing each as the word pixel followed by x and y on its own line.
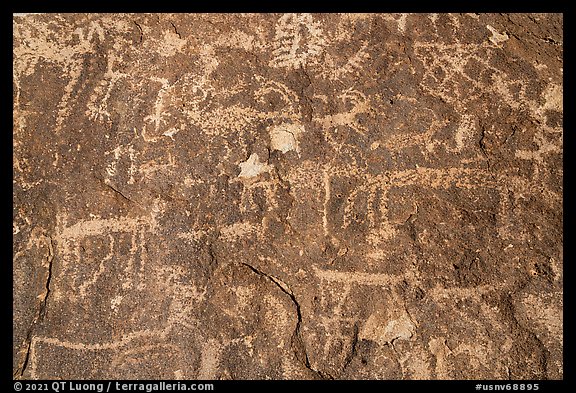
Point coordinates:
pixel 356 277
pixel 209 363
pixel 288 196
pixel 359 105
pixel 441 352
pixel 298 41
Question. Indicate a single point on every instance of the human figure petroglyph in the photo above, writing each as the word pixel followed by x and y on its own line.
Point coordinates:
pixel 298 41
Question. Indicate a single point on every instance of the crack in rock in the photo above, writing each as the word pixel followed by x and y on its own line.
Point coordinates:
pixel 42 309
pixel 297 343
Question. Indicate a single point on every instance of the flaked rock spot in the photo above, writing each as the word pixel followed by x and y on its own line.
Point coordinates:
pixel 252 167
pixel 284 137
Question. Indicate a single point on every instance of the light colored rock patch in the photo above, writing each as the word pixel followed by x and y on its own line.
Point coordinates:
pixel 465 132
pixel 237 231
pixel 543 311
pixel 385 330
pixel 284 137
pixel 252 167
pixel 497 38
pixel 553 97
pixel 441 351
pixel 211 352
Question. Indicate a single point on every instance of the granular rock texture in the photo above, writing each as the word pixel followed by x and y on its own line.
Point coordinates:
pixel 288 196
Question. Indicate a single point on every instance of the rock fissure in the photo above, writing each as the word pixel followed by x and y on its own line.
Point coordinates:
pixel 298 345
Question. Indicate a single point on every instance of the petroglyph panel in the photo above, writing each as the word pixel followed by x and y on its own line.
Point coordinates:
pixel 288 196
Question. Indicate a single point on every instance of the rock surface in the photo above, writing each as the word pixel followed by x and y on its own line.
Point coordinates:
pixel 288 196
